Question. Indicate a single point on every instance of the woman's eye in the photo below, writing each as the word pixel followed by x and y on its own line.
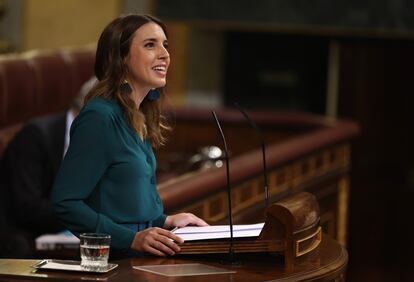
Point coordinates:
pixel 149 45
pixel 166 45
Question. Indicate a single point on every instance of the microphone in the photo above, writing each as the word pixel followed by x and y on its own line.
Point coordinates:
pixel 231 249
pixel 260 133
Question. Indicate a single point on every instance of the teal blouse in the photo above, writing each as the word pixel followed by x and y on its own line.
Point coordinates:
pixel 107 178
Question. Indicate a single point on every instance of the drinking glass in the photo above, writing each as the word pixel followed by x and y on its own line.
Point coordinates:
pixel 94 249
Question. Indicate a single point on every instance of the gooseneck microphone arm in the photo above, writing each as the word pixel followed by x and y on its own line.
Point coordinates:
pixel 231 250
pixel 260 133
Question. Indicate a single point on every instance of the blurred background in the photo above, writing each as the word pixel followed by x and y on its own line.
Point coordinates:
pixel 345 58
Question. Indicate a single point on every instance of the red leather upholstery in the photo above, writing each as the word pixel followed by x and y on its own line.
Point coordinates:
pixel 17 84
pixel 55 83
pixel 39 83
pixel 81 62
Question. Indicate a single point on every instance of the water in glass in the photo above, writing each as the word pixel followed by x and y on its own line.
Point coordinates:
pixel 94 256
pixel 94 249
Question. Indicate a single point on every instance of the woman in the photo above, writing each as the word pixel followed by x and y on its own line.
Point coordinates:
pixel 106 183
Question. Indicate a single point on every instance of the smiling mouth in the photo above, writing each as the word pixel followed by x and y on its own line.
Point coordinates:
pixel 160 69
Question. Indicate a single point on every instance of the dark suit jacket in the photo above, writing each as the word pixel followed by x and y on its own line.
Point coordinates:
pixel 30 164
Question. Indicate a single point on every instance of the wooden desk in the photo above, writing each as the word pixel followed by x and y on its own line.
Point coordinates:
pixel 326 264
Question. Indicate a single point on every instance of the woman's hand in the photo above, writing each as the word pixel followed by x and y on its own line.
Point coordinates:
pixel 183 219
pixel 161 242
pixel 156 241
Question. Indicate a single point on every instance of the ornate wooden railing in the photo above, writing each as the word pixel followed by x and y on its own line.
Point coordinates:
pixel 307 153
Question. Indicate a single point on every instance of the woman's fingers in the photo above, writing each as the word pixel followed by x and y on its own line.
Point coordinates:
pixel 157 241
pixel 183 219
pixel 198 221
pixel 166 246
pixel 171 236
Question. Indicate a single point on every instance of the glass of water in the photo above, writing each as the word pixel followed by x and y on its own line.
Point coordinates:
pixel 94 249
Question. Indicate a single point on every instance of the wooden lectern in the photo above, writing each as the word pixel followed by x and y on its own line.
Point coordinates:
pixel 291 228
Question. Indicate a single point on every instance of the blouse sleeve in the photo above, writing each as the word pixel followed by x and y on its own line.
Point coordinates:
pixel 85 162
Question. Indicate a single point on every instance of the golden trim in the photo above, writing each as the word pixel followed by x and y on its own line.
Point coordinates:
pixel 342 218
pixel 315 244
pixel 332 80
pixel 285 178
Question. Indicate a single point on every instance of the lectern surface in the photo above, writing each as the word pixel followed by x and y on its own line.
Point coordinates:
pixel 185 269
pixel 326 264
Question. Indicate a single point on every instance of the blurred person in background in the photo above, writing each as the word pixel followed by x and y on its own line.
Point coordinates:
pixel 29 166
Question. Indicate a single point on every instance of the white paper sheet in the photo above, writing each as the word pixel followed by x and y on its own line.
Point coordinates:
pixel 193 233
pixel 64 239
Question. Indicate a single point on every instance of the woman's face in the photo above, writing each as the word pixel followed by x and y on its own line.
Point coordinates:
pixel 148 58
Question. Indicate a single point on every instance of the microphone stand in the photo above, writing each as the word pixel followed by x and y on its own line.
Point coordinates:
pixel 259 132
pixel 231 258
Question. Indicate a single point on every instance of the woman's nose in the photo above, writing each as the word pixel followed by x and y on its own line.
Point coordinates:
pixel 164 52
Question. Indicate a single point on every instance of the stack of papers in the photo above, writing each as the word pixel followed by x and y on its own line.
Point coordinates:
pixel 62 240
pixel 193 233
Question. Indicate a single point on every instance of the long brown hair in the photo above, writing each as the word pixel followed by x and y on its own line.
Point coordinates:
pixel 111 72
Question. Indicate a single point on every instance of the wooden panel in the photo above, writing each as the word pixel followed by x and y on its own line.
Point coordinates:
pixel 328 264
pixel 50 24
pixel 177 73
pixel 295 163
pixel 326 182
pixel 375 89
